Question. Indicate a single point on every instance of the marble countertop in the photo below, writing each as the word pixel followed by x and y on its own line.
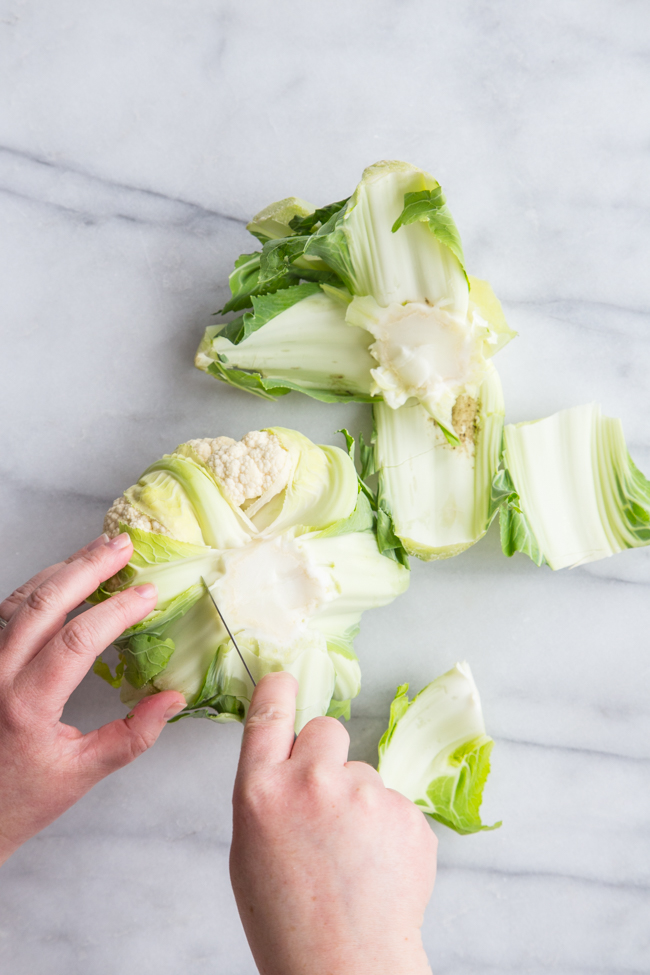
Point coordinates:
pixel 136 138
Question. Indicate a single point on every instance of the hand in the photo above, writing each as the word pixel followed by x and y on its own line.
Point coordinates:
pixel 45 766
pixel 331 870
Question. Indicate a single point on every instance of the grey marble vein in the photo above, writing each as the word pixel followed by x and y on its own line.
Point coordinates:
pixel 71 190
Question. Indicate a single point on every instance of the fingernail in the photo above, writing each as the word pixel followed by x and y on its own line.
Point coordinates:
pixel 103 538
pixel 120 541
pixel 174 709
pixel 148 591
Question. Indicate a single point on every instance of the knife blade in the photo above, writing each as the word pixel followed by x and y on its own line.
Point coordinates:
pixel 234 642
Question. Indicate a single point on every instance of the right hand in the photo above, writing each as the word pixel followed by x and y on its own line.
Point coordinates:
pixel 331 870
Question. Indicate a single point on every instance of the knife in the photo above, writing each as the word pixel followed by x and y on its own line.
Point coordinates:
pixel 234 642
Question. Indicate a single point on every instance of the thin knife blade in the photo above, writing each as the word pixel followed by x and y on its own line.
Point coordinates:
pixel 234 642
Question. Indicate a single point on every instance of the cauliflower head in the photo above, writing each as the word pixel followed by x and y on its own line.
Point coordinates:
pixel 279 530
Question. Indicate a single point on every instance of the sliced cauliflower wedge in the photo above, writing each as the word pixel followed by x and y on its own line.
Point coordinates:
pixel 278 529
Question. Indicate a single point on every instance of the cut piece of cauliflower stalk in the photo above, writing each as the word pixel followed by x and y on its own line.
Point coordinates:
pixel 389 262
pixel 277 528
pixel 386 314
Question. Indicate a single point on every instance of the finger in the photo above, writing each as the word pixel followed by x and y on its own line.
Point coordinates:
pixel 120 742
pixel 322 741
pixel 43 613
pixel 9 605
pixel 268 733
pixel 66 659
pixel 365 771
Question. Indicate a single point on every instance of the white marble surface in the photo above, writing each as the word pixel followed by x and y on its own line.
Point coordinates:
pixel 136 138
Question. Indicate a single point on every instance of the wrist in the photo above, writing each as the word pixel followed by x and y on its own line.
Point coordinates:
pixel 406 957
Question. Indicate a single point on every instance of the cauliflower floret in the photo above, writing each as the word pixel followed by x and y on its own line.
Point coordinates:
pixel 123 511
pixel 247 467
pixel 205 447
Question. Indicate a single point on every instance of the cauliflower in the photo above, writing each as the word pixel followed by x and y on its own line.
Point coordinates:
pixel 292 572
pixel 123 511
pixel 247 468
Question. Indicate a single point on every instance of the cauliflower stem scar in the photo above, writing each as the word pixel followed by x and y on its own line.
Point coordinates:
pixel 424 352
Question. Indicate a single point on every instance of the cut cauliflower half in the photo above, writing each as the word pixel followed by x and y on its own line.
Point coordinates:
pixel 123 511
pixel 249 467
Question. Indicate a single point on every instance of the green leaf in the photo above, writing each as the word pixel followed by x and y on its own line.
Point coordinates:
pixel 265 308
pixel 367 457
pixel 277 257
pixel 265 272
pixel 314 221
pixel 270 389
pixel 363 487
pixel 146 655
pixel 516 533
pixel 361 520
pixel 339 709
pixel 387 539
pixel 636 502
pixel 250 382
pixel 430 207
pixel 456 797
pixel 399 707
pixel 101 668
pixel 449 435
pixel 243 281
pixel 503 492
pixel 517 536
pixel 222 709
pixel 210 702
pixel 349 442
pixel 160 619
pixel 330 244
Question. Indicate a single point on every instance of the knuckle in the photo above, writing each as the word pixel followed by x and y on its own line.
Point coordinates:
pixel 317 781
pixel 20 594
pixel 420 823
pixel 330 727
pixel 365 795
pixel 76 637
pixel 9 605
pixel 254 793
pixel 44 599
pixel 132 744
pixel 267 713
pixel 139 741
pixel 14 716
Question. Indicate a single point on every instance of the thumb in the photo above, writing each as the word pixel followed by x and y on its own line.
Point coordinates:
pixel 120 742
pixel 268 732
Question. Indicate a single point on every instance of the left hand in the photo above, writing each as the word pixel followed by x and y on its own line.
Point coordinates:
pixel 45 765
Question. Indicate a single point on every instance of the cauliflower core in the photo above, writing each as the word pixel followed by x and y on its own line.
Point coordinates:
pixel 271 589
pixel 423 351
pixel 246 468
